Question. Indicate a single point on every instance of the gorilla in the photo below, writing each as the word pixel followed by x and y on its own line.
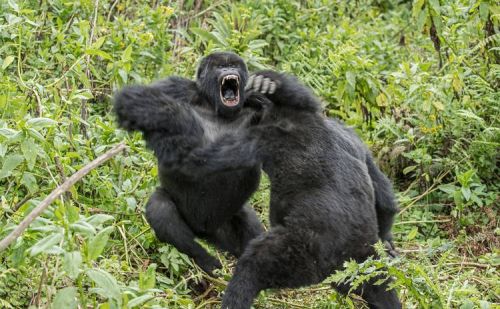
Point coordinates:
pixel 329 201
pixel 177 116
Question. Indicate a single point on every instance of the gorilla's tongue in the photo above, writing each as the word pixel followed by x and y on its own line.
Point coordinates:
pixel 229 94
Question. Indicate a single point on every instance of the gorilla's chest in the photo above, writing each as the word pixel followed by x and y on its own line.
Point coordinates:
pixel 214 127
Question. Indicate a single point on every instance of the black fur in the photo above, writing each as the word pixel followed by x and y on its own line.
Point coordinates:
pixel 177 116
pixel 329 202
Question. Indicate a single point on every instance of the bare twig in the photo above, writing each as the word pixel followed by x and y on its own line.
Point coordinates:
pixel 22 202
pixel 283 302
pixel 422 221
pixel 57 192
pixel 60 170
pixel 40 285
pixel 111 11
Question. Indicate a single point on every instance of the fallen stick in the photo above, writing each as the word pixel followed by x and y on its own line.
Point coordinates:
pixel 57 192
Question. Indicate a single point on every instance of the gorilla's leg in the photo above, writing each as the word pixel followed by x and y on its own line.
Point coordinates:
pixel 280 258
pixel 235 234
pixel 166 221
pixel 385 203
pixel 291 258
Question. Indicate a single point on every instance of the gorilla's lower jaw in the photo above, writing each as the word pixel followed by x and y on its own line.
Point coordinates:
pixel 230 90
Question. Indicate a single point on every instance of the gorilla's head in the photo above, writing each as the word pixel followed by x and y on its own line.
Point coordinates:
pixel 221 77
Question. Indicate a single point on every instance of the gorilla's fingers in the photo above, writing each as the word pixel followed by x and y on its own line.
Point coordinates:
pixel 257 82
pixel 249 84
pixel 390 249
pixel 265 85
pixel 272 87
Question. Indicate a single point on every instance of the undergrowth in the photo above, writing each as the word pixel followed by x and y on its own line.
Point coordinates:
pixel 418 80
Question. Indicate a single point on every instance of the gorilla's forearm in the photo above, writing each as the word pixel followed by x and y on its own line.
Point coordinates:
pixel 228 152
pixel 288 90
pixel 157 108
pixel 171 150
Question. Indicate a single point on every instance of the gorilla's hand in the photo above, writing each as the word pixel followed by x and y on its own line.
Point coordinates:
pixel 282 89
pixel 265 82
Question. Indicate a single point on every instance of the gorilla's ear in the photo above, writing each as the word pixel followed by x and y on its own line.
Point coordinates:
pixel 201 71
pixel 203 67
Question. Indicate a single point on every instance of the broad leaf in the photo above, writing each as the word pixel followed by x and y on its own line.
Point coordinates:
pixel 46 243
pixel 66 298
pixel 107 285
pixel 97 243
pixel 10 163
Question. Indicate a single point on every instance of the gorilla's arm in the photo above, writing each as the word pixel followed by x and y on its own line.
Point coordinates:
pixel 163 112
pixel 385 204
pixel 283 89
pixel 162 107
pixel 232 151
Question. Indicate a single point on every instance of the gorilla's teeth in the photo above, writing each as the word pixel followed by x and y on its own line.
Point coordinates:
pixel 230 77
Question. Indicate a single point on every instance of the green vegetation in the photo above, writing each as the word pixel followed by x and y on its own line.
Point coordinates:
pixel 419 81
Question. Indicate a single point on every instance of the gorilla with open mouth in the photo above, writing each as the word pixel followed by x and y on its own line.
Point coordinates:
pixel 176 116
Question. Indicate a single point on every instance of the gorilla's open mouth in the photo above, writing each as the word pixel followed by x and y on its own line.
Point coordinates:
pixel 230 90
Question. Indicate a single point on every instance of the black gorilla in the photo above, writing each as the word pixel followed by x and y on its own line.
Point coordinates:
pixel 176 116
pixel 329 202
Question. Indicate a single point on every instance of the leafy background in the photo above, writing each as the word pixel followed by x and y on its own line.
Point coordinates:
pixel 418 80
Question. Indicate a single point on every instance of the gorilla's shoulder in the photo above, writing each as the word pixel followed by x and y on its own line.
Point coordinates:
pixel 175 82
pixel 178 88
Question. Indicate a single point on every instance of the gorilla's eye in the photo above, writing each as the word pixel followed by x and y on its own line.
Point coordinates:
pixel 230 90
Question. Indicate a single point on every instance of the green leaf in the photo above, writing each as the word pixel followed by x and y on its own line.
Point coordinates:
pixel 421 20
pixel 14 5
pixel 351 79
pixel 100 53
pixel 131 203
pixel 127 54
pixel 10 163
pixel 98 219
pixel 66 298
pixel 123 74
pixel 438 105
pixel 3 150
pixel 46 243
pixel 7 61
pixel 29 150
pixel 409 169
pixel 257 44
pixel 466 193
pixel 448 188
pixel 72 263
pixel 73 213
pixel 484 10
pixel 206 36
pixel 412 234
pixel 83 227
pixel 135 302
pixel 107 285
pixel 417 7
pixel 36 135
pixel 97 243
pixel 8 133
pixel 29 181
pixel 434 5
pixel 39 123
pixel 147 279
pixel 98 43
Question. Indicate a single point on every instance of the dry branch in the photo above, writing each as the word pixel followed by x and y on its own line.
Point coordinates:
pixel 65 186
